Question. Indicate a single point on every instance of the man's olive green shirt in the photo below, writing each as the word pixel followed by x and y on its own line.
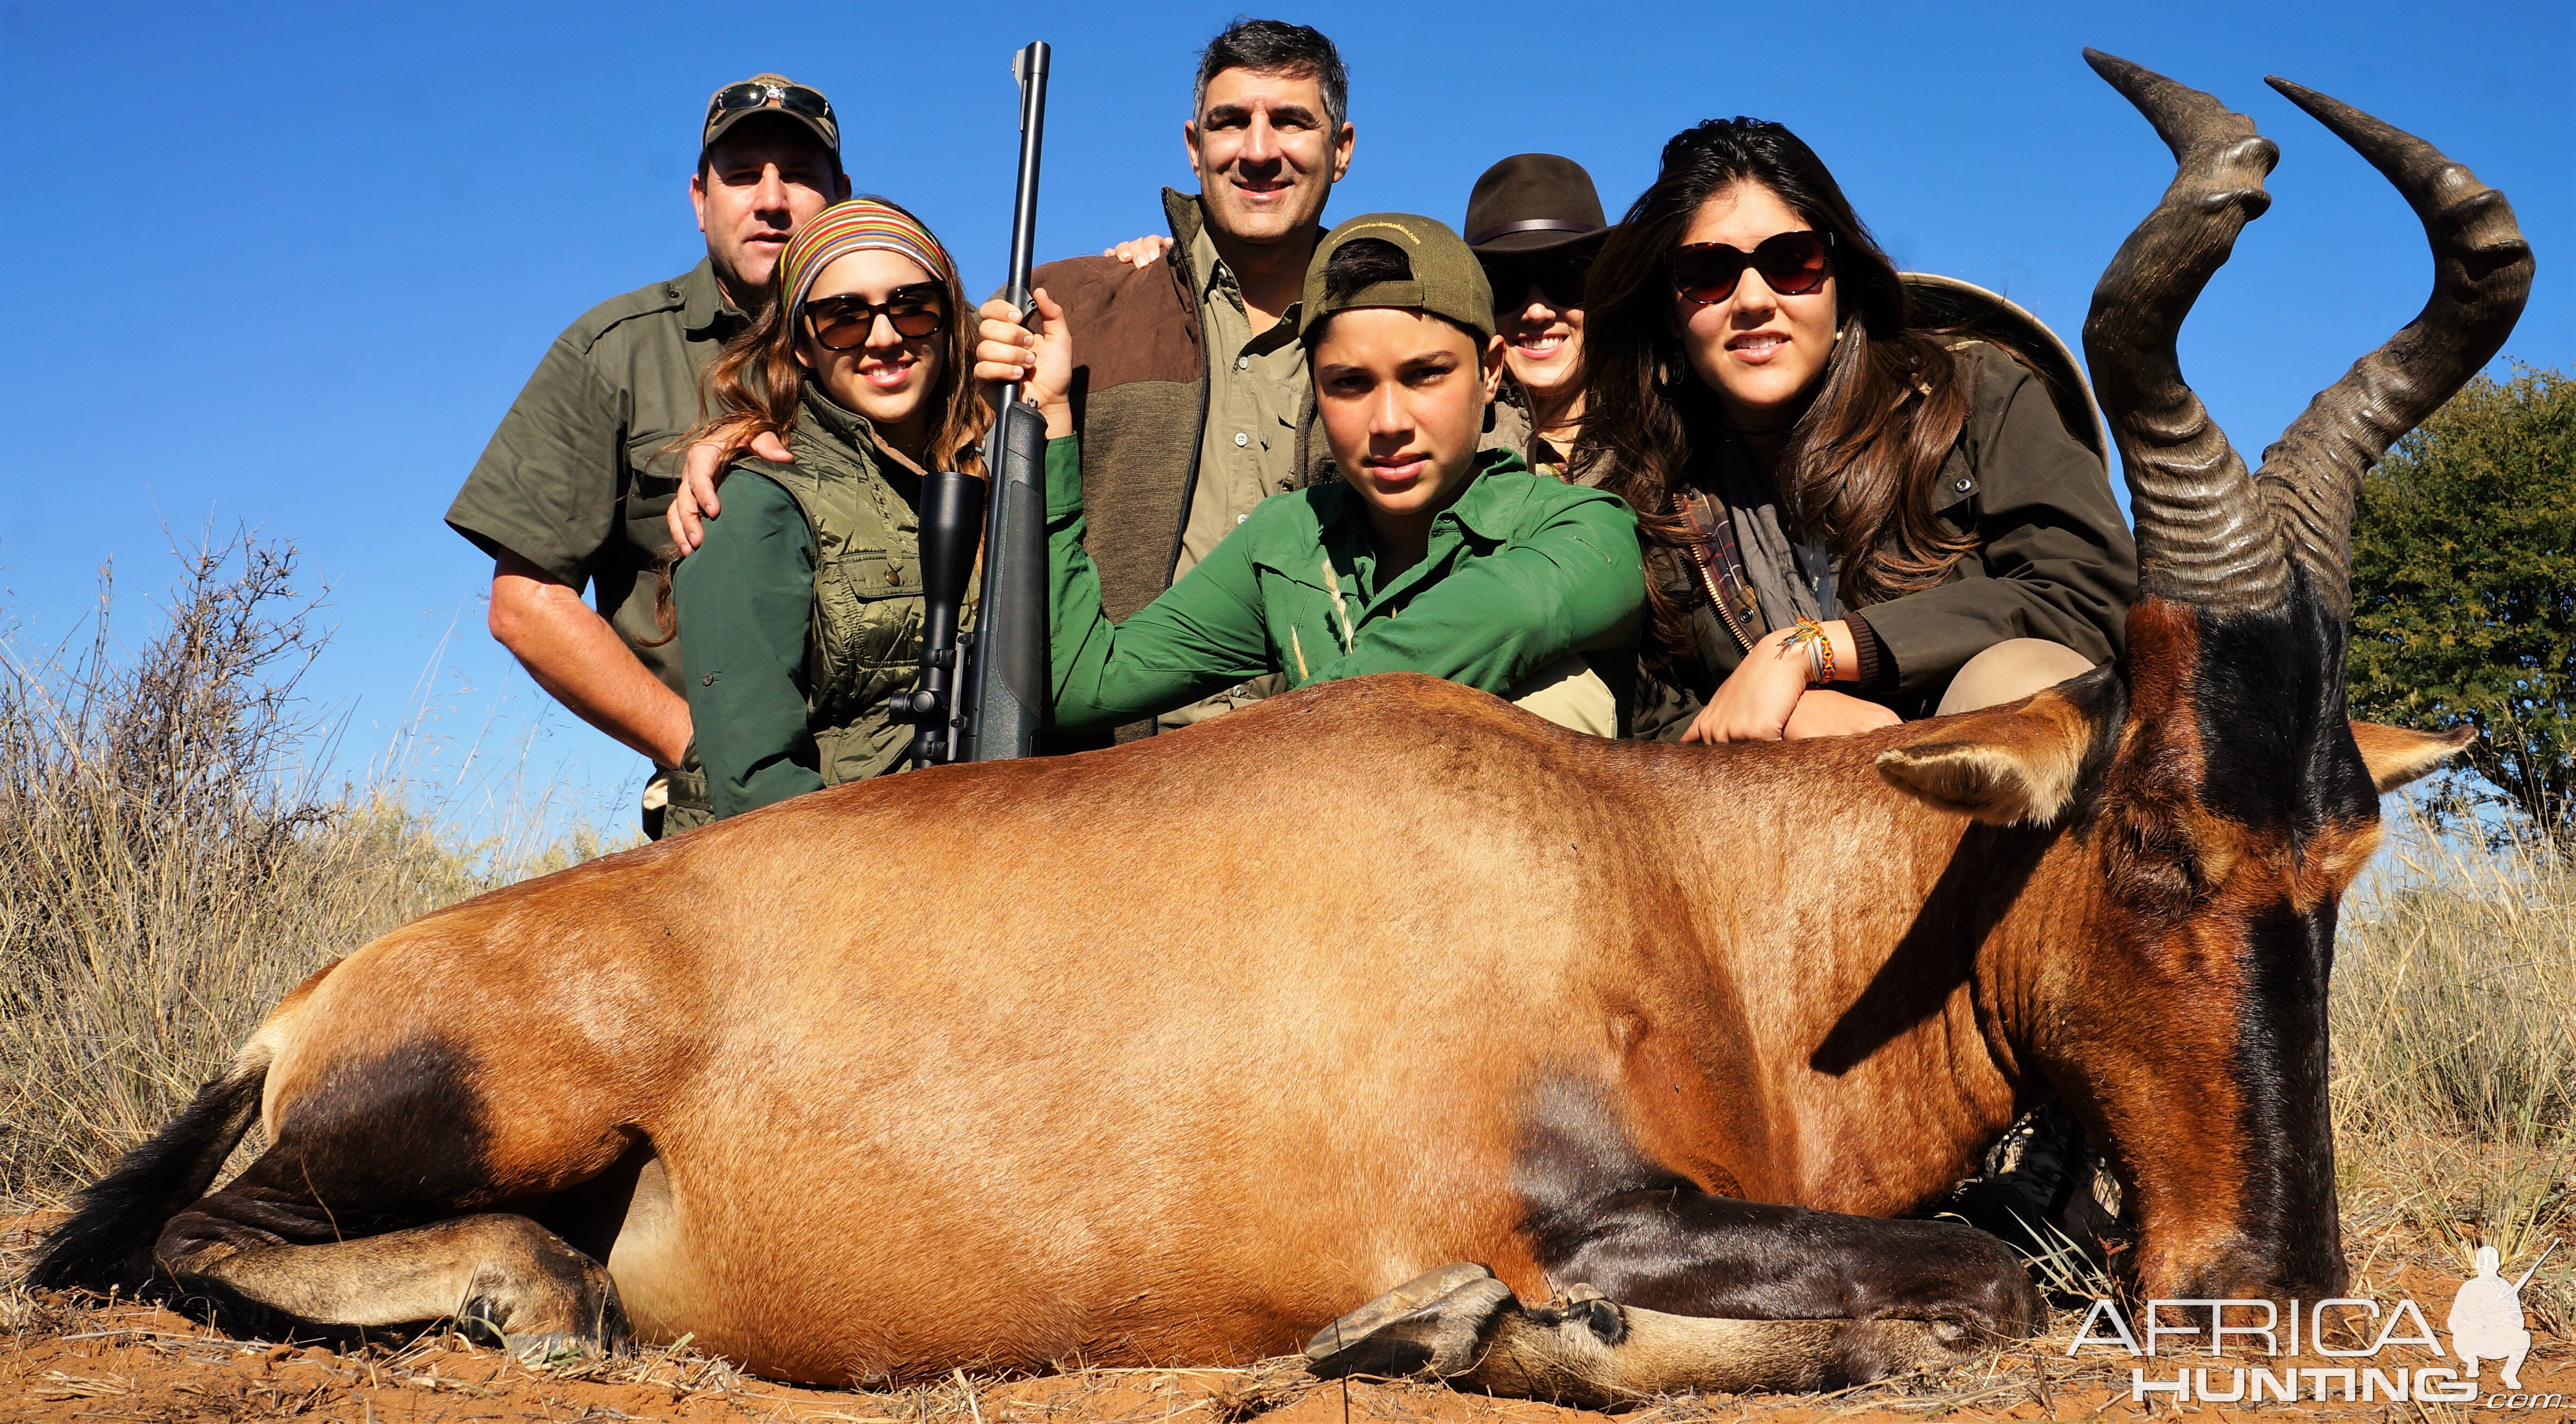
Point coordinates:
pixel 1519 571
pixel 1257 388
pixel 576 478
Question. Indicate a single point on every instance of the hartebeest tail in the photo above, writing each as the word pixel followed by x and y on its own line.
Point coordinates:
pixel 106 1245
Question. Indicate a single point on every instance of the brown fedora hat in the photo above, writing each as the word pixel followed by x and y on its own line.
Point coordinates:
pixel 1533 202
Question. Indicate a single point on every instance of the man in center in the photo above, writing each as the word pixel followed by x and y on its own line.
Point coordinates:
pixel 1190 398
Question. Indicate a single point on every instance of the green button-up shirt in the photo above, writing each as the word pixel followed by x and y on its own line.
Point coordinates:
pixel 579 472
pixel 1520 571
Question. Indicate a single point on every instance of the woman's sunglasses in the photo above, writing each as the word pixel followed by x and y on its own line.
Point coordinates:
pixel 843 323
pixel 1792 263
pixel 794 98
pixel 1558 277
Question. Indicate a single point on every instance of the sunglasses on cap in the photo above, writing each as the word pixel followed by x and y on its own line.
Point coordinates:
pixel 844 323
pixel 1558 276
pixel 760 94
pixel 1792 263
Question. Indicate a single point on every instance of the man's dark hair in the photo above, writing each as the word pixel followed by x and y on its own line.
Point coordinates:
pixel 1277 47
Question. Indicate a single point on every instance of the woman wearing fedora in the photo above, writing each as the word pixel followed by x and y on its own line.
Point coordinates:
pixel 1852 515
pixel 1534 222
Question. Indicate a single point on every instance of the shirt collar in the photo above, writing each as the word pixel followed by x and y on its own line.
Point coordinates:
pixel 1210 269
pixel 1484 506
pixel 705 311
pixel 1205 264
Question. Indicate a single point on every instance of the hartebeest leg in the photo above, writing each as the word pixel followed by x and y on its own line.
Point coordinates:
pixel 503 1273
pixel 1677 1249
pixel 1464 1326
pixel 375 1206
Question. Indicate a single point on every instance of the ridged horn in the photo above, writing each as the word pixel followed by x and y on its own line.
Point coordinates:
pixel 2205 535
pixel 2482 266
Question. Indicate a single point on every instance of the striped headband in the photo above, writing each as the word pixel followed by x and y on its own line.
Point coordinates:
pixel 858 225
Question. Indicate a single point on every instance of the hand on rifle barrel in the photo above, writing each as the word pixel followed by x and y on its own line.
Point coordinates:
pixel 1041 360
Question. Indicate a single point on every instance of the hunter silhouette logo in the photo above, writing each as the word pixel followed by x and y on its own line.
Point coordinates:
pixel 2486 1323
pixel 2486 1318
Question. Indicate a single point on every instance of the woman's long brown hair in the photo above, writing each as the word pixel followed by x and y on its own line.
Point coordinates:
pixel 1861 461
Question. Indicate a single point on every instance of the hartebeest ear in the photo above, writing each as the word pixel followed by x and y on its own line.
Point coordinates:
pixel 2012 765
pixel 2397 755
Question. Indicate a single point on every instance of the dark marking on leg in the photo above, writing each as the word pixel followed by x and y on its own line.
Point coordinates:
pixel 375 1208
pixel 1597 1214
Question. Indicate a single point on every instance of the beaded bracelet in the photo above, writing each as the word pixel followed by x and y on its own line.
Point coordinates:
pixel 1809 634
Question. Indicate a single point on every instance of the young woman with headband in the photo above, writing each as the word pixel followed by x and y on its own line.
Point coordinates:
pixel 1849 518
pixel 803 605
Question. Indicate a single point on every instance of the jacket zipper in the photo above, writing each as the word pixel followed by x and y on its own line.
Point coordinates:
pixel 1708 576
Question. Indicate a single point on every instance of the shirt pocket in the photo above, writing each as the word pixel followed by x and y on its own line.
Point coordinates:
pixel 867 627
pixel 654 459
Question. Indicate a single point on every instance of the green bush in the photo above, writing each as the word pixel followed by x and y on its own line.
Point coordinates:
pixel 2464 586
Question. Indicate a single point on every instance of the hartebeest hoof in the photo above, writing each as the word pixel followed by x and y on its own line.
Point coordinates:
pixel 1435 1323
pixel 567 1309
pixel 1463 1326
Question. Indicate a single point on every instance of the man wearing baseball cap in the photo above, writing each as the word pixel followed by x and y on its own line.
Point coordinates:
pixel 1503 578
pixel 570 492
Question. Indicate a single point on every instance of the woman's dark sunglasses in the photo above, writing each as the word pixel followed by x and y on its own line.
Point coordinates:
pixel 794 98
pixel 1792 263
pixel 843 323
pixel 1558 277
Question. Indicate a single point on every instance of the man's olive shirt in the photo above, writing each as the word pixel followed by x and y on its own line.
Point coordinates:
pixel 576 479
pixel 1257 390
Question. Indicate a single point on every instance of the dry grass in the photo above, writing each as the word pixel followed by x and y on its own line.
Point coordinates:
pixel 2455 1050
pixel 171 869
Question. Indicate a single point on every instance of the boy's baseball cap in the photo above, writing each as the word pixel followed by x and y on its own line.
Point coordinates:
pixel 1447 279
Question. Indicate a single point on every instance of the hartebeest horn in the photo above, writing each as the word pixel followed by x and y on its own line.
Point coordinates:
pixel 2205 535
pixel 2481 277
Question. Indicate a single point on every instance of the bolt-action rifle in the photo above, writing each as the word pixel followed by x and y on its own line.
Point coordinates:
pixel 983 694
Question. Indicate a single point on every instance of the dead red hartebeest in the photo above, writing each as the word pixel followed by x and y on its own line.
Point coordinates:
pixel 1260 1020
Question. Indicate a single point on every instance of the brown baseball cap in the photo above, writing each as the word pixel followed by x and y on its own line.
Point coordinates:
pixel 1533 202
pixel 1447 280
pixel 771 94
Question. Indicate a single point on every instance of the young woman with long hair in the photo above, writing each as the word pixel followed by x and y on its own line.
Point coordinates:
pixel 1849 519
pixel 804 604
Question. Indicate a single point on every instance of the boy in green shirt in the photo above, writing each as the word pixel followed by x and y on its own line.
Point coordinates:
pixel 1425 556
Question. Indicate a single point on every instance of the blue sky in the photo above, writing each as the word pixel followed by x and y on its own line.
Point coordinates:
pixel 287 265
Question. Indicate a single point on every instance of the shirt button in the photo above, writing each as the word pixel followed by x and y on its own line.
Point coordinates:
pixel 1243 363
pixel 1241 517
pixel 1241 439
pixel 1961 486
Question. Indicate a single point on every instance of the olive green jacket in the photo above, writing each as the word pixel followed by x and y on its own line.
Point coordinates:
pixel 1520 570
pixel 577 476
pixel 803 613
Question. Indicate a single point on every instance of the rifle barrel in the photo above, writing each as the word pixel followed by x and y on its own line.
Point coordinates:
pixel 1010 656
